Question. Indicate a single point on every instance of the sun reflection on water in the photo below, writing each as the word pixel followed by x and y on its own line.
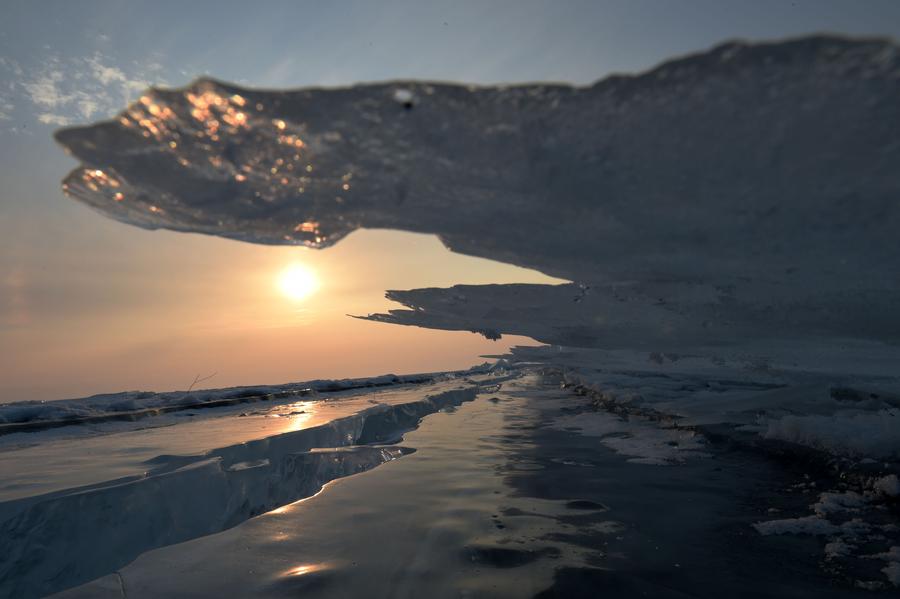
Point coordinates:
pixel 295 416
pixel 304 569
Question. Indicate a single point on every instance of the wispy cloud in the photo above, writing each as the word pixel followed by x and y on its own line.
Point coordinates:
pixel 6 108
pixel 45 90
pixel 68 89
pixel 48 118
pixel 12 66
pixel 6 95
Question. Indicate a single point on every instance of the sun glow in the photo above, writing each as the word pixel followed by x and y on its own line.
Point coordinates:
pixel 297 282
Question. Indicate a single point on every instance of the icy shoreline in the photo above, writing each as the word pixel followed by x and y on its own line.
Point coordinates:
pixel 26 416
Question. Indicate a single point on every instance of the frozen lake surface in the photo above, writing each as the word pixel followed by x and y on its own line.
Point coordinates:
pixel 499 501
pixel 77 507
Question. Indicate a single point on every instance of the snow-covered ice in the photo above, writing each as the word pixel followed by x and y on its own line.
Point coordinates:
pixel 644 442
pixel 744 193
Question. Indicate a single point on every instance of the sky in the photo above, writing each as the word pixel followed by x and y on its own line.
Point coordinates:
pixel 88 305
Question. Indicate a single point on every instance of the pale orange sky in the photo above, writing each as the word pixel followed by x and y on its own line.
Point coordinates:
pixel 109 307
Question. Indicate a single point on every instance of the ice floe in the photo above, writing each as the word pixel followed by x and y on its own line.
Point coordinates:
pixel 703 201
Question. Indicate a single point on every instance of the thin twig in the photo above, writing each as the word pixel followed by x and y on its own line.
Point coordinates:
pixel 197 379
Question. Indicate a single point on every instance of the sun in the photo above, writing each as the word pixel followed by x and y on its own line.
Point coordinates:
pixel 297 282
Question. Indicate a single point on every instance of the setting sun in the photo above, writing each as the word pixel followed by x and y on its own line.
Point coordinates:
pixel 297 282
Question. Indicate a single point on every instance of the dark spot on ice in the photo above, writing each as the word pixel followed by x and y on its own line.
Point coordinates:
pixel 408 105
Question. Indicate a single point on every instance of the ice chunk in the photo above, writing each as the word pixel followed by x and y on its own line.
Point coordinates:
pixel 652 191
pixel 850 432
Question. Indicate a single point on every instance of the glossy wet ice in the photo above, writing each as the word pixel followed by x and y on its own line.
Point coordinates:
pixel 56 540
pixel 498 502
pixel 38 463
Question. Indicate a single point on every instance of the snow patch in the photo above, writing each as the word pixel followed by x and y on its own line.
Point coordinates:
pixel 888 485
pixel 845 536
pixel 830 503
pixel 644 442
pixel 892 568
